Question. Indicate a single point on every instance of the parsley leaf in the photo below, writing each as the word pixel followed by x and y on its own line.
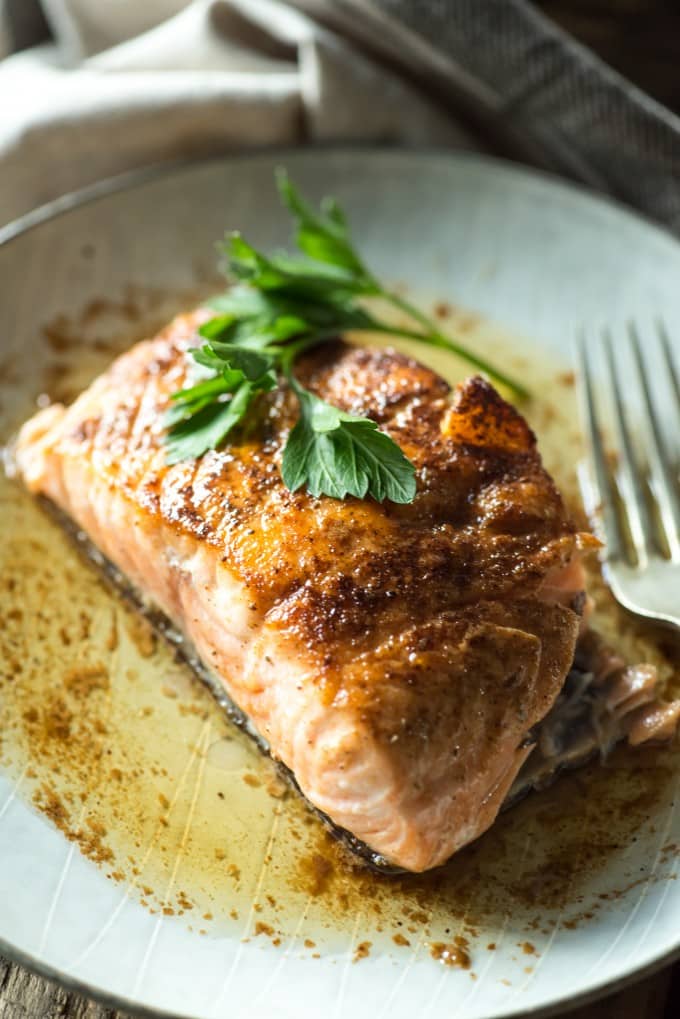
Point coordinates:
pixel 208 428
pixel 202 417
pixel 338 454
pixel 188 402
pixel 322 237
pixel 294 278
pixel 251 363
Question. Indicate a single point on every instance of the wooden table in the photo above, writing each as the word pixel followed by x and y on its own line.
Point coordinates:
pixel 640 38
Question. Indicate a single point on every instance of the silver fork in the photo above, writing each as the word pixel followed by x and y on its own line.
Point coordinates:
pixel 633 497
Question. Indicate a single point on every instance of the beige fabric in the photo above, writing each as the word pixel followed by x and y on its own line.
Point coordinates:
pixel 85 27
pixel 215 75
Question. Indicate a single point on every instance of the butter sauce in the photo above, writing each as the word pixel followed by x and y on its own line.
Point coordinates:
pixel 112 738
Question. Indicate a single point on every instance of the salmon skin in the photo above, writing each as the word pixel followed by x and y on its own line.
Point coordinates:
pixel 396 659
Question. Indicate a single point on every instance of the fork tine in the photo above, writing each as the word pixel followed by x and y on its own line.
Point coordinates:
pixel 627 473
pixel 604 493
pixel 670 363
pixel 664 485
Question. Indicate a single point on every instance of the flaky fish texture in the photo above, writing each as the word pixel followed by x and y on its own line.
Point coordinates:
pixel 393 657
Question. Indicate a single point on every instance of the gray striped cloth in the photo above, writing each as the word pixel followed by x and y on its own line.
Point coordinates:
pixel 529 88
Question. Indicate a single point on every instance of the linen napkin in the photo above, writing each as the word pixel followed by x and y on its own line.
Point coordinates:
pixel 90 89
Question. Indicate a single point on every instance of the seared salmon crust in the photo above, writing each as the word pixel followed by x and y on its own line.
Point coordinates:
pixel 393 657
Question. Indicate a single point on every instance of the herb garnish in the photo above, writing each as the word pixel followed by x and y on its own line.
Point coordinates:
pixel 280 306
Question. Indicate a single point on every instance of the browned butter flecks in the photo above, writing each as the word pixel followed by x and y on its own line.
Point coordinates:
pixel 117 744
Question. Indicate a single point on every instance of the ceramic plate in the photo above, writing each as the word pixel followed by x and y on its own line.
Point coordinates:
pixel 147 853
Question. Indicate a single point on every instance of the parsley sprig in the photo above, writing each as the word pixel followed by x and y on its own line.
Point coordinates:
pixel 280 306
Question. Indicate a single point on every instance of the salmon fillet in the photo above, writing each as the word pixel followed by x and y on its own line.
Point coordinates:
pixel 393 657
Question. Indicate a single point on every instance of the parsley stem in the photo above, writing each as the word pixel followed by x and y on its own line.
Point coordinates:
pixel 292 351
pixel 437 339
